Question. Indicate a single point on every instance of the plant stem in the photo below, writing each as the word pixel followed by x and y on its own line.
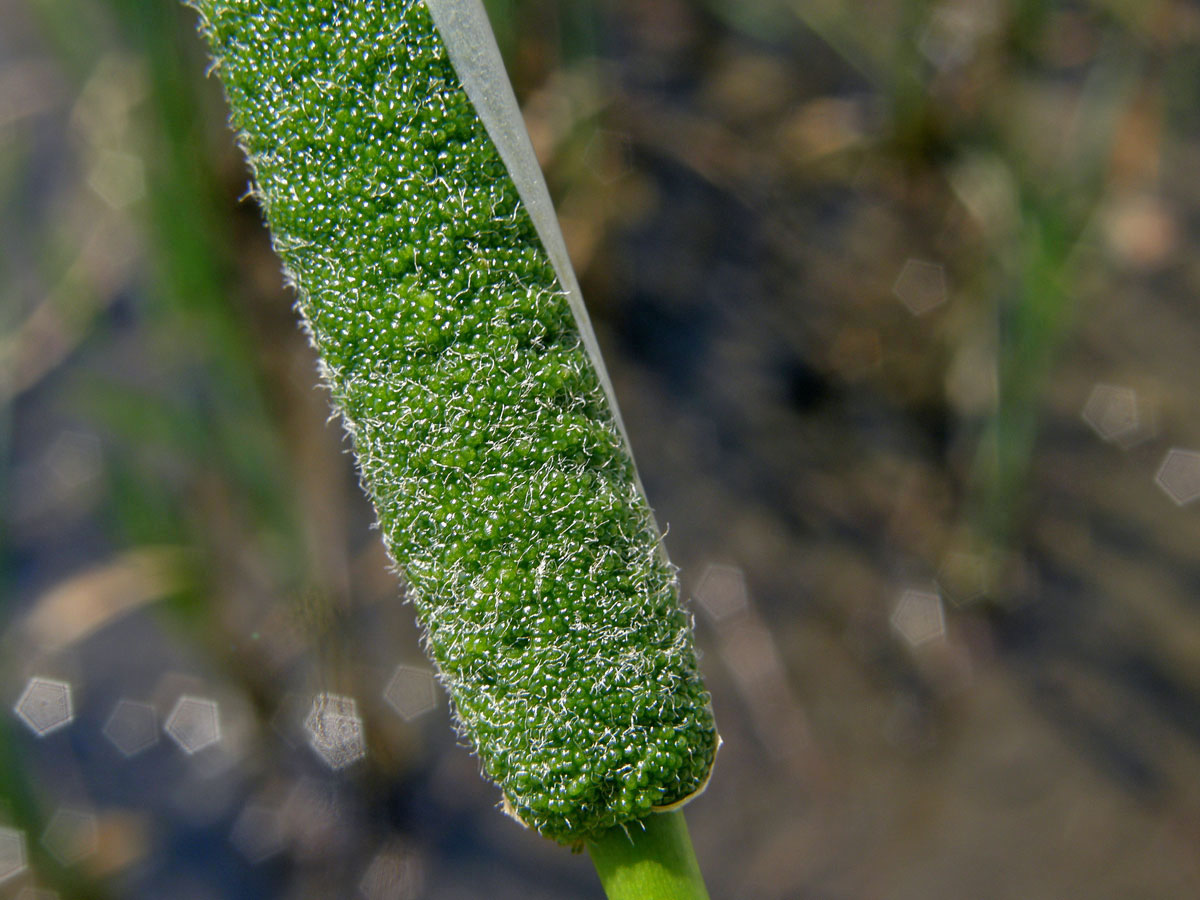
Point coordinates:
pixel 649 860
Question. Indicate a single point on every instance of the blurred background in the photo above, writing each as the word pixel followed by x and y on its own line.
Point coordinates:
pixel 900 302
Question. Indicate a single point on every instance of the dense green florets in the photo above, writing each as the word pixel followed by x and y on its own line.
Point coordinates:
pixel 504 489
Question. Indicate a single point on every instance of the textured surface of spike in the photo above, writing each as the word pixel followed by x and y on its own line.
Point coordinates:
pixel 504 490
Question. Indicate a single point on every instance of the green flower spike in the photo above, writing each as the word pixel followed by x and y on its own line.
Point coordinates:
pixel 401 192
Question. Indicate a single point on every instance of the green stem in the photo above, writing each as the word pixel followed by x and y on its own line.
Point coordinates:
pixel 649 860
